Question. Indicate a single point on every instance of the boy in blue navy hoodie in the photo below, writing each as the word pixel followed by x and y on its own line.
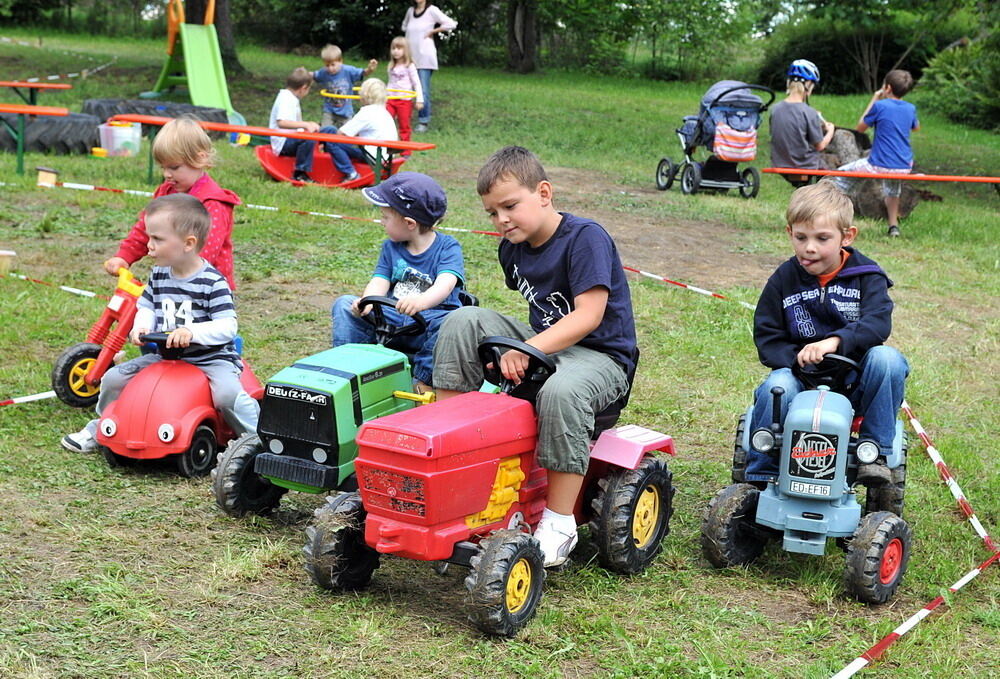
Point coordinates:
pixel 828 298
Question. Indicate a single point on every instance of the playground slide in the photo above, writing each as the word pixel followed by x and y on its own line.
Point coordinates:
pixel 206 78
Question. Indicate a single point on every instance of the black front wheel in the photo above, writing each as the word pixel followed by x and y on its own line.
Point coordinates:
pixel 729 533
pixel 237 487
pixel 200 456
pixel 665 172
pixel 690 178
pixel 632 515
pixel 69 372
pixel 877 557
pixel 337 556
pixel 505 583
pixel 750 182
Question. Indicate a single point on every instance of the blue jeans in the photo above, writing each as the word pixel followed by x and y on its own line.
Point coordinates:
pixel 302 149
pixel 348 329
pixel 424 115
pixel 877 397
pixel 342 154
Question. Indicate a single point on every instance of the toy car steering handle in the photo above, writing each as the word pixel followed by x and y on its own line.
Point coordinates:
pixel 832 371
pixel 384 331
pixel 540 365
pixel 168 353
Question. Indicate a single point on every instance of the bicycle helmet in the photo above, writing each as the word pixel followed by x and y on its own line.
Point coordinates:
pixel 804 70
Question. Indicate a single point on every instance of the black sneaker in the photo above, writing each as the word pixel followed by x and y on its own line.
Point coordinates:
pixel 893 231
pixel 303 177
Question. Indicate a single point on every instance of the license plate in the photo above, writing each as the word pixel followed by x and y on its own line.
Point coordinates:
pixel 809 488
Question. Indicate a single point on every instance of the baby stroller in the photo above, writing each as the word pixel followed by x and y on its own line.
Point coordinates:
pixel 727 126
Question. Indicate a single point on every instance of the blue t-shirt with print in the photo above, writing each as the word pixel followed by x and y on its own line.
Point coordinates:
pixel 892 119
pixel 341 82
pixel 579 256
pixel 410 274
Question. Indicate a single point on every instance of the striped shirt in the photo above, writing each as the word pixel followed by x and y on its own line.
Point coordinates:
pixel 200 298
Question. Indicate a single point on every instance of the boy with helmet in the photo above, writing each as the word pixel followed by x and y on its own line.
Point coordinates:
pixel 798 131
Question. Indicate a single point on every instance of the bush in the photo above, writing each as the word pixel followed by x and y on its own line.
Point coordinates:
pixel 827 44
pixel 963 83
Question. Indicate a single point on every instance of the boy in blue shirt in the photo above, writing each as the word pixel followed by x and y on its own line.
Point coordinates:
pixel 337 77
pixel 420 267
pixel 580 312
pixel 828 298
pixel 893 120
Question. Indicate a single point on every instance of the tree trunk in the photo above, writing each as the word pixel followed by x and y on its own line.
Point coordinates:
pixel 194 13
pixel 522 35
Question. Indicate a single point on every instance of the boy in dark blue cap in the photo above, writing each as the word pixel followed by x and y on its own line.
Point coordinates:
pixel 421 268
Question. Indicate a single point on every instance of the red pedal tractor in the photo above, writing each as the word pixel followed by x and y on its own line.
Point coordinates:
pixel 458 481
pixel 77 373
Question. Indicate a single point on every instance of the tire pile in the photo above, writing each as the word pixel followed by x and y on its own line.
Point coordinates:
pixel 77 132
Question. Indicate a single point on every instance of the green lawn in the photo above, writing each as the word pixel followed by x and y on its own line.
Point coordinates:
pixel 136 573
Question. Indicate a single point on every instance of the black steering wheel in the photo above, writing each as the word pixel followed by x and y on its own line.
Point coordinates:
pixel 833 371
pixel 540 366
pixel 160 340
pixel 384 330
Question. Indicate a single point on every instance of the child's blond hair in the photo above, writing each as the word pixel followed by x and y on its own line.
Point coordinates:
pixel 400 41
pixel 822 199
pixel 511 162
pixel 331 53
pixel 188 216
pixel 373 92
pixel 182 140
pixel 299 78
pixel 798 87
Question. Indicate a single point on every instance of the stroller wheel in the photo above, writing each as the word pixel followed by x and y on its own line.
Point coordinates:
pixel 665 172
pixel 690 178
pixel 749 182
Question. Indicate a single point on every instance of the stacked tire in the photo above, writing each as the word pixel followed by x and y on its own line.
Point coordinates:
pixel 105 108
pixel 75 133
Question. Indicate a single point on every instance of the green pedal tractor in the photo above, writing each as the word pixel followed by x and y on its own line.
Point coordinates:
pixel 309 417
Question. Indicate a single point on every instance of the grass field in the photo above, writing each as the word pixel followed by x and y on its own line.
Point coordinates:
pixel 136 573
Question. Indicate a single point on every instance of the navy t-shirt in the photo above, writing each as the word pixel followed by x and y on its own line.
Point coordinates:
pixel 410 274
pixel 579 256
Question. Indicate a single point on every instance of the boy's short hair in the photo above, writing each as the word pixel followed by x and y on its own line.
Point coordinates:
pixel 183 140
pixel 188 216
pixel 820 199
pixel 331 53
pixel 373 91
pixel 413 195
pixel 900 82
pixel 299 78
pixel 511 162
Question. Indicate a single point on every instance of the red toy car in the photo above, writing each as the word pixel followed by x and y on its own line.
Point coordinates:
pixel 167 410
pixel 458 481
pixel 77 373
pixel 324 172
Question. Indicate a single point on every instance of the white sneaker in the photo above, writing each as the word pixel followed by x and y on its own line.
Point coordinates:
pixel 350 178
pixel 80 442
pixel 556 541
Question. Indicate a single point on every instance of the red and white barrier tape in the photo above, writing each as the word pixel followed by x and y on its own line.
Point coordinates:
pixel 949 480
pixel 878 649
pixel 82 73
pixel 66 288
pixel 25 399
pixel 692 288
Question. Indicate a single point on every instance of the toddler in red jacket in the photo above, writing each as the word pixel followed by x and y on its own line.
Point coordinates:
pixel 184 153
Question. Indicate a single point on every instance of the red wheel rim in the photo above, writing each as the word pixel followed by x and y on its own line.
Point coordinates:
pixel 892 559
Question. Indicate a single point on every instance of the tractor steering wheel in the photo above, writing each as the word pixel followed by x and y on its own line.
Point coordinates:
pixel 540 365
pixel 833 371
pixel 160 340
pixel 384 330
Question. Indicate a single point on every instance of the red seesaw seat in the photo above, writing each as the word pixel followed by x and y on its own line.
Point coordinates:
pixel 323 172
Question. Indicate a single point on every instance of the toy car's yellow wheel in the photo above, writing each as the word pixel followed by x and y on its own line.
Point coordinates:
pixel 645 517
pixel 505 582
pixel 518 586
pixel 70 371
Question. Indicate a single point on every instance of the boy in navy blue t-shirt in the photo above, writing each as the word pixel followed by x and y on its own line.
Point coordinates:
pixel 580 313
pixel 893 120
pixel 337 77
pixel 421 268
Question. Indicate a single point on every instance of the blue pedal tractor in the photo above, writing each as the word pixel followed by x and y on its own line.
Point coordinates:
pixel 814 496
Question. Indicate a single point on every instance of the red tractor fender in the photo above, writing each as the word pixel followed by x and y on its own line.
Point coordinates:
pixel 626 446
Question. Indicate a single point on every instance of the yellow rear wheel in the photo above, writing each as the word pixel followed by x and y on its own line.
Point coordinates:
pixel 645 517
pixel 518 585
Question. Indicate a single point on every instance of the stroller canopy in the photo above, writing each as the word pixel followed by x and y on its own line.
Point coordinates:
pixel 740 98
